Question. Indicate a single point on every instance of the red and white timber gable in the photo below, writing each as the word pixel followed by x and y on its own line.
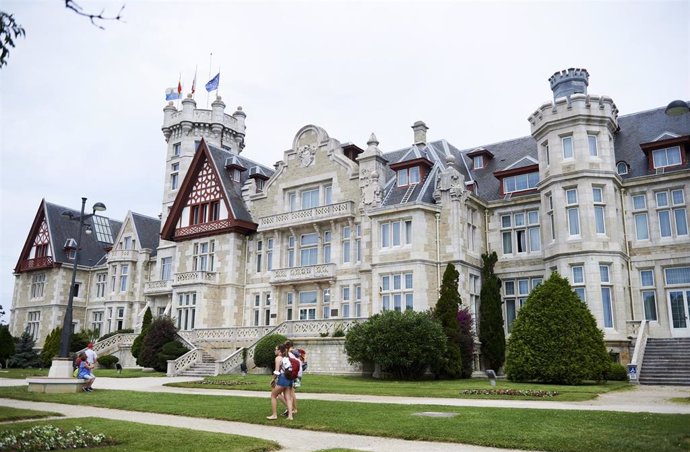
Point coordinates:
pixel 37 252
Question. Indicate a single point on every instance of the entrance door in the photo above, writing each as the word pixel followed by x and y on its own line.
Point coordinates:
pixel 679 312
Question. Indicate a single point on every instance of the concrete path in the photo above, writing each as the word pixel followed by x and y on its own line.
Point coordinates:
pixel 653 399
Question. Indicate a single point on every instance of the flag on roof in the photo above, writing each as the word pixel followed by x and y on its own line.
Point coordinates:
pixel 194 84
pixel 213 83
pixel 179 88
pixel 171 94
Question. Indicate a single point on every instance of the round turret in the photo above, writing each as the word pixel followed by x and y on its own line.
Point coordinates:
pixel 568 82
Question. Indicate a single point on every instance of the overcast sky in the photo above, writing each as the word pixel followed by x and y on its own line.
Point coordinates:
pixel 81 108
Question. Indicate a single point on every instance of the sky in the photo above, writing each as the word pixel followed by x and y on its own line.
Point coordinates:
pixel 81 108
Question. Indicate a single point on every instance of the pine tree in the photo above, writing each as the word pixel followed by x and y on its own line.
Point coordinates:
pixel 491 333
pixel 6 344
pixel 446 312
pixel 145 324
pixel 51 347
pixel 24 355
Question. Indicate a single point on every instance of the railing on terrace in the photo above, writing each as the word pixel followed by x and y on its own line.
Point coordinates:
pixel 123 255
pixel 307 273
pixel 197 277
pixel 112 343
pixel 315 214
pixel 36 263
pixel 161 286
pixel 184 362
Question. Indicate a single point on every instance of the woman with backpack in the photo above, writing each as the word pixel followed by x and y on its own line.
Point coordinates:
pixel 280 384
pixel 296 359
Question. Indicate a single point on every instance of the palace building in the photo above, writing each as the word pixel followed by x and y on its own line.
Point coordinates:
pixel 335 232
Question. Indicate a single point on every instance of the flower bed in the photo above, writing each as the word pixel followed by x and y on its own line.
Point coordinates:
pixel 510 392
pixel 49 437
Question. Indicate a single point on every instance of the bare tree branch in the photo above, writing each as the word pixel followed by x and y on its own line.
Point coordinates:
pixel 94 18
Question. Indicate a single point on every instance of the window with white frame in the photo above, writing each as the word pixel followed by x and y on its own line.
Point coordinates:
pixel 291 251
pixel 113 277
pixel 567 147
pixel 38 282
pixel 577 273
pixel 640 217
pixel 166 268
pixel 572 211
pixel 549 213
pixel 292 201
pixel 408 176
pixel 327 195
pixel 97 322
pixel 33 324
pixel 176 149
pixel 309 251
pixel 606 294
pixel 592 144
pixel 358 300
pixel 186 310
pixel 267 308
pixel 599 206
pixel 101 281
pixel 310 198
pixel 124 275
pixel 474 290
pixel 120 319
pixel 326 304
pixel 109 319
pixel 358 243
pixel 327 237
pixel 547 157
pixel 622 168
pixel 257 309
pixel 345 302
pixel 478 162
pixel 520 182
pixel 663 158
pixel 648 294
pixel 396 233
pixel 307 305
pixel 236 175
pixel 471 229
pixel 203 255
pixel 397 292
pixel 347 244
pixel 128 243
pixel 520 232
pixel 269 254
pixel 259 251
pixel 671 213
pixel 289 305
pixel 174 176
pixel 515 292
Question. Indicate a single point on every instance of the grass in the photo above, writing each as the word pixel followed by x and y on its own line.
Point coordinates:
pixel 8 414
pixel 131 436
pixel 424 388
pixel 680 400
pixel 549 430
pixel 126 373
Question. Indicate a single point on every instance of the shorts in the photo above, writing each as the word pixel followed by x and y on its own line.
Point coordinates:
pixel 86 376
pixel 284 381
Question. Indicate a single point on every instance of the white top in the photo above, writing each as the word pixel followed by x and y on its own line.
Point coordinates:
pixel 91 356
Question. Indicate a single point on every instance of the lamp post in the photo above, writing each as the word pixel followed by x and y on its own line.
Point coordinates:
pixel 66 335
pixel 677 108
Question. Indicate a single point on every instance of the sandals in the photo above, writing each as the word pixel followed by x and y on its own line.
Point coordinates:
pixel 271 418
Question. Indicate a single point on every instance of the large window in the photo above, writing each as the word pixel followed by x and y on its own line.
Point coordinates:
pixel 307 305
pixel 408 176
pixel 204 212
pixel 358 243
pixel 520 232
pixel 186 310
pixel 38 282
pixel 204 253
pixel 515 294
pixel 345 302
pixel 663 158
pixel 309 251
pixel 291 251
pixel 396 292
pixel 326 304
pixel 259 251
pixel 396 233
pixel 289 303
pixel 474 290
pixel 573 212
pixel 567 147
pixel 101 281
pixel 124 275
pixel 310 198
pixel 174 176
pixel 269 255
pixel 166 268
pixel 671 212
pixel 358 300
pixel 549 213
pixel 33 323
pixel 640 217
pixel 577 273
pixel 471 229
pixel 592 143
pixel 120 320
pixel 599 206
pixel 606 295
pixel 520 182
pixel 347 244
pixel 648 294
pixel 97 322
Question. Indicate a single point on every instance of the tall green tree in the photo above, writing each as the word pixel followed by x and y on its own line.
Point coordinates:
pixel 555 339
pixel 24 354
pixel 145 325
pixel 161 331
pixel 446 312
pixel 491 333
pixel 6 344
pixel 51 347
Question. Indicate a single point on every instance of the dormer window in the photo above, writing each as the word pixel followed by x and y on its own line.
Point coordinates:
pixel 663 158
pixel 520 182
pixel 478 162
pixel 236 175
pixel 622 168
pixel 408 176
pixel 480 158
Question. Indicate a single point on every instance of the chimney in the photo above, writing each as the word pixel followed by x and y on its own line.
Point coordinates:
pixel 567 83
pixel 419 132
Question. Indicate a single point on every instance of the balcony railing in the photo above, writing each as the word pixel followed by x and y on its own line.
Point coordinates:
pixel 158 287
pixel 123 255
pixel 297 274
pixel 36 263
pixel 198 277
pixel 323 213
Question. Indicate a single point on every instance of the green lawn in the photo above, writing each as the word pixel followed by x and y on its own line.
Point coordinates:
pixel 130 436
pixel 126 373
pixel 15 414
pixel 681 400
pixel 423 388
pixel 552 430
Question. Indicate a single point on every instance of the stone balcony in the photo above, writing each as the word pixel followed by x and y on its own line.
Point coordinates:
pixel 308 216
pixel 158 287
pixel 197 277
pixel 123 255
pixel 321 272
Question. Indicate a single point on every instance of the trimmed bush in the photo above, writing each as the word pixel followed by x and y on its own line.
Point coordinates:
pixel 491 333
pixel 264 352
pixel 617 372
pixel 446 313
pixel 555 338
pixel 108 361
pixel 161 332
pixel 404 344
pixel 170 351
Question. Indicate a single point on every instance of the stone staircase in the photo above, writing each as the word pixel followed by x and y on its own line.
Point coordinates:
pixel 205 368
pixel 666 362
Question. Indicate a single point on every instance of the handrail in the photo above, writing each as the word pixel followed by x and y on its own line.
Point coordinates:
pixel 182 363
pixel 635 365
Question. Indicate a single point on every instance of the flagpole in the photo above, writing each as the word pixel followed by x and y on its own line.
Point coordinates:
pixel 194 81
pixel 210 63
pixel 179 91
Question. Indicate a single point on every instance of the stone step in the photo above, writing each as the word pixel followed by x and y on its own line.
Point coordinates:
pixel 669 381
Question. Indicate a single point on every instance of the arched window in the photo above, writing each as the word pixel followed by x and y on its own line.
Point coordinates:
pixel 622 168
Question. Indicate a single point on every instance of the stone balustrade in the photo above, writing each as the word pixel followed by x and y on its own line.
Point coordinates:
pixel 196 277
pixel 316 214
pixel 123 255
pixel 307 273
pixel 158 287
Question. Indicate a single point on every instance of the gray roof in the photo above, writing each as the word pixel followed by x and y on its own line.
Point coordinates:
pixel 148 230
pixel 62 228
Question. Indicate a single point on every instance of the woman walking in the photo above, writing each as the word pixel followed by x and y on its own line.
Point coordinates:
pixel 280 384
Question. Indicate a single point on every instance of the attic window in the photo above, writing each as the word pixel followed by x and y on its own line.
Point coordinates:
pixel 520 182
pixel 236 174
pixel 622 168
pixel 478 162
pixel 408 176
pixel 260 184
pixel 663 158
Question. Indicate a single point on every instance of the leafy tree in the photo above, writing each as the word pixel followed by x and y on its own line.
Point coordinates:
pixel 10 30
pixel 491 333
pixel 264 352
pixel 24 355
pixel 161 331
pixel 466 340
pixel 51 347
pixel 6 344
pixel 171 350
pixel 555 339
pixel 446 312
pixel 145 324
pixel 404 344
pixel 2 313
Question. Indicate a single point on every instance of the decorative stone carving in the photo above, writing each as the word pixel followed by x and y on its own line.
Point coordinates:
pixel 450 180
pixel 306 155
pixel 372 192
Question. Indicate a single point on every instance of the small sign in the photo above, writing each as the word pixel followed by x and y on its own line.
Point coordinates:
pixel 632 372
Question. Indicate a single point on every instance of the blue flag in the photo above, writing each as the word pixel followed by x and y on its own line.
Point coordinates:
pixel 213 83
pixel 171 94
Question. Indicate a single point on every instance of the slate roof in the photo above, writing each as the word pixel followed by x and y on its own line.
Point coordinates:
pixel 63 228
pixel 148 230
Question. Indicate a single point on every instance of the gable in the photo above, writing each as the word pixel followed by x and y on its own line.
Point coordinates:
pixel 37 252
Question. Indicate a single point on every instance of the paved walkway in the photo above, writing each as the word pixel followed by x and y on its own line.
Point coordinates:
pixel 654 399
